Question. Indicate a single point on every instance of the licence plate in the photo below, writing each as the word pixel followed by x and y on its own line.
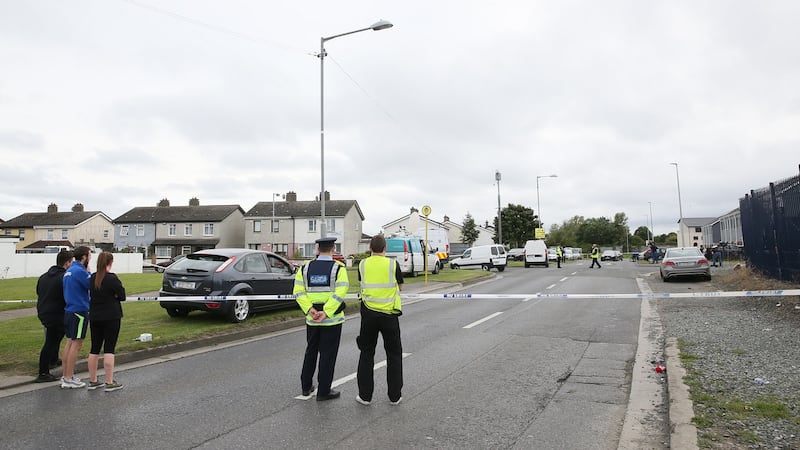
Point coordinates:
pixel 184 284
pixel 685 263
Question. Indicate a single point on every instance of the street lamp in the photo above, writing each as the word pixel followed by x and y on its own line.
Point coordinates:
pixel 499 211
pixel 652 231
pixel 538 206
pixel 680 205
pixel 377 26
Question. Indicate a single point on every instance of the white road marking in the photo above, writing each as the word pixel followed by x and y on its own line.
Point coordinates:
pixel 347 378
pixel 564 279
pixel 531 298
pixel 489 317
pixel 551 286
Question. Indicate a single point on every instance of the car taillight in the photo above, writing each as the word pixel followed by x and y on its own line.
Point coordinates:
pixel 213 305
pixel 225 264
pixel 702 261
pixel 669 263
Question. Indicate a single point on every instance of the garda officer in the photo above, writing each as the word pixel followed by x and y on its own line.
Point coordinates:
pixel 320 288
pixel 381 279
pixel 595 256
pixel 559 255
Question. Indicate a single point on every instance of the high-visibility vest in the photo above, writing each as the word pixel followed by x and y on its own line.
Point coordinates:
pixel 595 253
pixel 321 284
pixel 558 252
pixel 379 290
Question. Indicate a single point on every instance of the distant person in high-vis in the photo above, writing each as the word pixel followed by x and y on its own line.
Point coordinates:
pixel 381 281
pixel 320 288
pixel 595 256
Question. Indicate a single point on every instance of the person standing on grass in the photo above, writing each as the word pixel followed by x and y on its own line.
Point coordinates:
pixel 105 312
pixel 76 314
pixel 50 308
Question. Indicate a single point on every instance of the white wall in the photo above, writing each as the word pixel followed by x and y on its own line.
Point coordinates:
pixel 22 265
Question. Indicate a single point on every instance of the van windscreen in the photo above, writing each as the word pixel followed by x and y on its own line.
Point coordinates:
pixel 395 245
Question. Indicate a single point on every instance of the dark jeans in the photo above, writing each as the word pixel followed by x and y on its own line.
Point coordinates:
pixel 595 261
pixel 388 326
pixel 325 342
pixel 53 334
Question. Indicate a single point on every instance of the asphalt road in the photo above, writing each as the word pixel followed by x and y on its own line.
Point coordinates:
pixel 491 373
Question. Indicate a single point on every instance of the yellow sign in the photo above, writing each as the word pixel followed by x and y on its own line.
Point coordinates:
pixel 539 233
pixel 426 210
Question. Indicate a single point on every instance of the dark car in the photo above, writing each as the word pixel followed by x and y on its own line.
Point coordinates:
pixel 227 272
pixel 162 266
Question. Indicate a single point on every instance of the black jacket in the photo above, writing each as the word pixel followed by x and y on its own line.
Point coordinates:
pixel 104 303
pixel 50 295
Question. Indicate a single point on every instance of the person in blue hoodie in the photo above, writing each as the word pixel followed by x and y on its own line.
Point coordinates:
pixel 76 314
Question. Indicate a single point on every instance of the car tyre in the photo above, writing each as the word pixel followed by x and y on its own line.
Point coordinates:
pixel 239 311
pixel 436 268
pixel 485 267
pixel 454 266
pixel 501 268
pixel 177 312
pixel 527 265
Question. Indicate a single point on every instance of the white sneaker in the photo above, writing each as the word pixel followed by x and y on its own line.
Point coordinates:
pixel 72 383
pixel 362 401
pixel 397 402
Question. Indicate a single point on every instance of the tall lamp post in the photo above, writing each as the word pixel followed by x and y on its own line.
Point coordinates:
pixel 377 26
pixel 538 206
pixel 272 223
pixel 680 204
pixel 652 231
pixel 499 211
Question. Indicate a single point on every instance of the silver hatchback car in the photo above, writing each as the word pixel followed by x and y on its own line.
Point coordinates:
pixel 686 261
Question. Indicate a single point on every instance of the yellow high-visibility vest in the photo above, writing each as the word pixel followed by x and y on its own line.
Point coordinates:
pixel 330 296
pixel 379 290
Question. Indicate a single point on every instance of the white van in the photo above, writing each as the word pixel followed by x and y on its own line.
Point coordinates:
pixel 483 256
pixel 438 241
pixel 536 253
pixel 408 251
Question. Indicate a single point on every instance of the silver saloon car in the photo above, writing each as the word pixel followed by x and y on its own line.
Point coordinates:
pixel 686 261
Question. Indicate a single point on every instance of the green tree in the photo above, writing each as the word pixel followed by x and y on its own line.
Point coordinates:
pixel 566 234
pixel 469 231
pixel 518 225
pixel 643 233
pixel 598 230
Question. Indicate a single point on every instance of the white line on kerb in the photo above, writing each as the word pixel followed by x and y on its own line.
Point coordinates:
pixel 489 317
pixel 347 378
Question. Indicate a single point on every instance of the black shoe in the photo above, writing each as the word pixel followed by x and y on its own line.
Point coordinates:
pixel 331 395
pixel 55 364
pixel 307 392
pixel 45 378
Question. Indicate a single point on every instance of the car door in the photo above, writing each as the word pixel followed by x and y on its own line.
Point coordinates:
pixel 256 273
pixel 281 276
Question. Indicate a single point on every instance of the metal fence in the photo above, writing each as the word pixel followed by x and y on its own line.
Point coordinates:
pixel 771 228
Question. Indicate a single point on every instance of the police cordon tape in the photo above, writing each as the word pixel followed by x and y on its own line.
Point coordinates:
pixel 469 296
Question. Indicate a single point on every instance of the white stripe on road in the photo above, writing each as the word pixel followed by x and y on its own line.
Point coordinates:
pixel 347 378
pixel 489 317
pixel 551 286
pixel 531 298
pixel 564 279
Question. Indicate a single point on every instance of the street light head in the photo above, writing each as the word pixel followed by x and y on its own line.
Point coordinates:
pixel 497 175
pixel 381 25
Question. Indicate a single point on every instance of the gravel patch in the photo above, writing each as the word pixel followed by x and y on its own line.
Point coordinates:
pixel 742 356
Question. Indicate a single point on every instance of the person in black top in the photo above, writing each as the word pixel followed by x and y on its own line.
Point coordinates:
pixel 50 307
pixel 105 316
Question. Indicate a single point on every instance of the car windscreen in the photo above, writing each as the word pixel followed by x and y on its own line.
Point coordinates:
pixel 681 253
pixel 395 245
pixel 198 262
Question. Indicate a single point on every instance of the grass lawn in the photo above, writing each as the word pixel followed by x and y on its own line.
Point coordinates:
pixel 21 339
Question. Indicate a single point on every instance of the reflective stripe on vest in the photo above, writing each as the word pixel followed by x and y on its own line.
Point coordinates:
pixel 379 290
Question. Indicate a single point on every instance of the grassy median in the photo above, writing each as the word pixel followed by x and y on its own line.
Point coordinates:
pixel 21 339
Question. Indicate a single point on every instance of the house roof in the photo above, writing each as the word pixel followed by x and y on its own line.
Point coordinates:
pixel 200 213
pixel 43 244
pixel 305 208
pixel 43 219
pixel 697 221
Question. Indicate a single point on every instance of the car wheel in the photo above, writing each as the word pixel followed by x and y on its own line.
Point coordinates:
pixel 239 311
pixel 485 267
pixel 436 268
pixel 501 268
pixel 527 265
pixel 664 279
pixel 708 277
pixel 454 266
pixel 177 312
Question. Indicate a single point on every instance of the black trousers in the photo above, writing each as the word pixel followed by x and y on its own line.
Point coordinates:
pixel 595 261
pixel 322 341
pixel 558 261
pixel 53 334
pixel 388 326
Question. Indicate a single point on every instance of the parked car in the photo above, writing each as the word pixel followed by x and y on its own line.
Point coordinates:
pixel 516 254
pixel 227 272
pixel 611 255
pixel 568 254
pixel 483 256
pixel 685 261
pixel 551 254
pixel 162 266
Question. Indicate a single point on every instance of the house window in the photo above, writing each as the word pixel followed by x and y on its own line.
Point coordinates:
pixel 256 227
pixel 312 226
pixel 331 224
pixel 123 230
pixel 698 229
pixel 50 232
pixel 21 234
pixel 64 234
pixel 186 249
pixel 163 251
pixel 276 226
pixel 105 234
pixel 281 249
pixel 187 229
pixel 254 246
pixel 308 250
pixel 172 229
pixel 140 230
pixel 208 229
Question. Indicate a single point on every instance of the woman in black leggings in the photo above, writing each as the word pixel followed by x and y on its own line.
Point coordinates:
pixel 105 316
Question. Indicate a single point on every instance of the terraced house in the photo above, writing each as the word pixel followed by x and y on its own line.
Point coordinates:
pixel 39 230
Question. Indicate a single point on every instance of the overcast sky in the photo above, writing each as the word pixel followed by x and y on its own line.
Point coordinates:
pixel 118 104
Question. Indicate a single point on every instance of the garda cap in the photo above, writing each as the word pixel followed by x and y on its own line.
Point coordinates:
pixel 326 240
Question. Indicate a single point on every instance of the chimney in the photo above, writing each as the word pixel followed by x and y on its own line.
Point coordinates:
pixel 446 219
pixel 414 210
pixel 327 196
pixel 291 196
pixel 194 201
pixel 52 208
pixel 164 203
pixel 78 207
